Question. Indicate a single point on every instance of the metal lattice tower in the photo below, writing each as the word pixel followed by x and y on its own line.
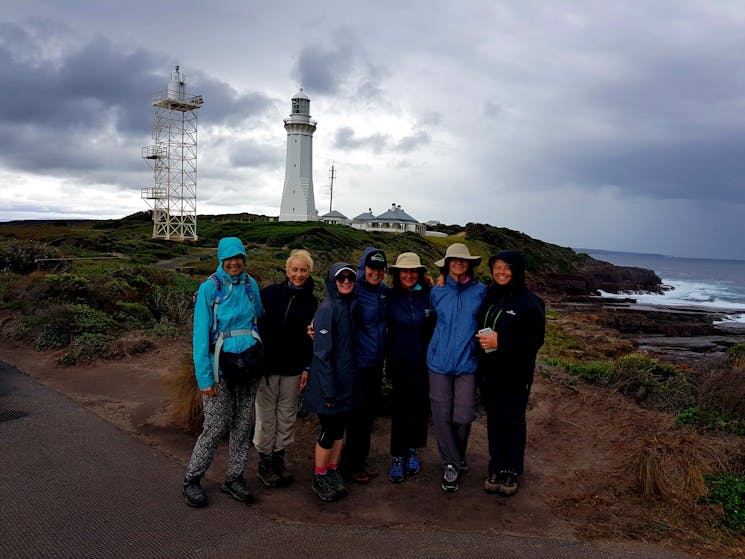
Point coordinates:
pixel 173 158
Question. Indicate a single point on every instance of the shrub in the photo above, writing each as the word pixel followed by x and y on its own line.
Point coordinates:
pixel 86 347
pixel 666 386
pixel 736 351
pixel 133 314
pixel 18 256
pixel 186 401
pixel 710 419
pixel 675 468
pixel 728 491
pixel 72 288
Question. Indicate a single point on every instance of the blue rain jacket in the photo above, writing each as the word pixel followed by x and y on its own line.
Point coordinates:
pixel 235 311
pixel 452 349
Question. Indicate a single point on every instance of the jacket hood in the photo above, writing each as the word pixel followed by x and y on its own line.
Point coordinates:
pixel 516 260
pixel 227 247
pixel 331 278
pixel 230 246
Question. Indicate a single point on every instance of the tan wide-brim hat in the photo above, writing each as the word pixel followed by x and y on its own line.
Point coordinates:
pixel 407 261
pixel 458 250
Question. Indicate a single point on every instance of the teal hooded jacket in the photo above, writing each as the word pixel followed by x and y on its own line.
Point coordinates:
pixel 235 311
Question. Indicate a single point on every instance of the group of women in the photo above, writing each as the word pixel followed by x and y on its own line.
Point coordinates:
pixel 438 340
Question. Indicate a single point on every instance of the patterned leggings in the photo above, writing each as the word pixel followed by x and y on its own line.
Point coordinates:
pixel 232 410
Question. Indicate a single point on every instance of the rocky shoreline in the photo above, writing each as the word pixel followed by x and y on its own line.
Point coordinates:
pixel 680 334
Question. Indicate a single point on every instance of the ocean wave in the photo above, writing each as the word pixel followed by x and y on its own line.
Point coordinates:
pixel 721 296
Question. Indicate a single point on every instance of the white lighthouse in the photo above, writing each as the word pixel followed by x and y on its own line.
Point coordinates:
pixel 298 202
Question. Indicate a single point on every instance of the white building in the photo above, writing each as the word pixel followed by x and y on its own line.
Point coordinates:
pixel 394 220
pixel 298 201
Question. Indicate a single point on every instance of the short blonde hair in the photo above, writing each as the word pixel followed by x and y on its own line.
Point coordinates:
pixel 300 254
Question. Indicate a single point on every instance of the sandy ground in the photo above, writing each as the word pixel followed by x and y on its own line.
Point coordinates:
pixel 577 481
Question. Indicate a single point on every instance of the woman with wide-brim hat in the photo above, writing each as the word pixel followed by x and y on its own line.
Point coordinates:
pixel 410 324
pixel 452 358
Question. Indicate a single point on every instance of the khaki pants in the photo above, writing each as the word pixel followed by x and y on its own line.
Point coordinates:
pixel 276 411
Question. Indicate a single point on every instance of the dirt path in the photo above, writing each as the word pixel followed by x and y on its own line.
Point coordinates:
pixel 577 481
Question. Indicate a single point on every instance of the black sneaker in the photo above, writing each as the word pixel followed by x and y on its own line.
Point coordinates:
pixel 194 493
pixel 267 473
pixel 337 483
pixel 491 483
pixel 507 483
pixel 450 478
pixel 238 490
pixel 324 488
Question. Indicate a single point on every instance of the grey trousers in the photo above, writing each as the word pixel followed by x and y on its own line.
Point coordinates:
pixel 276 412
pixel 453 400
pixel 230 410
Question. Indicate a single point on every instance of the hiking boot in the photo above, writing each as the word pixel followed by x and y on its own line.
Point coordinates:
pixel 359 477
pixel 450 478
pixel 507 483
pixel 412 466
pixel 370 471
pixel 323 488
pixel 337 483
pixel 194 493
pixel 491 483
pixel 267 472
pixel 278 461
pixel 396 471
pixel 238 490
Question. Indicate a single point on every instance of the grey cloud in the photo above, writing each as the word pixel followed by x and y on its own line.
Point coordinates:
pixel 345 138
pixel 252 154
pixel 410 143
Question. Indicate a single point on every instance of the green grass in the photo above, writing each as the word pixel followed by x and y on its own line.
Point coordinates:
pixel 728 491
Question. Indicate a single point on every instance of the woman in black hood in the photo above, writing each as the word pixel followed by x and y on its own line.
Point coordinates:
pixel 513 322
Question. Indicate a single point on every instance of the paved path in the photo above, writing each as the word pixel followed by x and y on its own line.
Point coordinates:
pixel 73 485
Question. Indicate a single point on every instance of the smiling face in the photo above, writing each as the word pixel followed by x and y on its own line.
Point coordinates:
pixel 501 272
pixel 345 283
pixel 374 276
pixel 408 277
pixel 457 267
pixel 234 265
pixel 297 271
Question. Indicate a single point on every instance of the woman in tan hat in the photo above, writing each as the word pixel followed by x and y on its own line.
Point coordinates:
pixel 452 358
pixel 410 325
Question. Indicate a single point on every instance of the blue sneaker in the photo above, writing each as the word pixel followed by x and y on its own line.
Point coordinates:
pixel 412 463
pixel 396 471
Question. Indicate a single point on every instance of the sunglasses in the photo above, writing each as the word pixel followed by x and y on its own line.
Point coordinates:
pixel 345 277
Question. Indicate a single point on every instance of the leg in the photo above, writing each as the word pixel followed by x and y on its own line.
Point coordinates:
pixel 441 398
pixel 217 416
pixel 267 395
pixel 464 411
pixel 241 429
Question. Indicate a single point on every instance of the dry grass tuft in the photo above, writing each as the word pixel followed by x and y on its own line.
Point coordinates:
pixel 186 402
pixel 675 468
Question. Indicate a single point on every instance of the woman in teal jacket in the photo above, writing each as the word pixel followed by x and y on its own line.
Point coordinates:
pixel 452 359
pixel 225 315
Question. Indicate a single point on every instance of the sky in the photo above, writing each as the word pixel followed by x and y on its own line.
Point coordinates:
pixel 616 125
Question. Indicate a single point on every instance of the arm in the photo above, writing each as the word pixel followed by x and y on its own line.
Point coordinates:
pixel 323 352
pixel 201 336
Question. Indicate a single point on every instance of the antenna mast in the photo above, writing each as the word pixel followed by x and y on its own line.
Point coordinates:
pixel 332 176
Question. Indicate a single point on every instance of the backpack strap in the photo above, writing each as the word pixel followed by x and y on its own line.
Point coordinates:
pixel 217 337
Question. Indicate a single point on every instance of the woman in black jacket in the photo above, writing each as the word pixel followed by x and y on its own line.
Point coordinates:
pixel 513 320
pixel 333 390
pixel 289 307
pixel 410 325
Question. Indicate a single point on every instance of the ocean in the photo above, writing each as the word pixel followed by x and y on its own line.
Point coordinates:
pixel 694 282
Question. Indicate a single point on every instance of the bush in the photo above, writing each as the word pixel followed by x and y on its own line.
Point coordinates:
pixel 675 468
pixel 728 491
pixel 666 386
pixel 18 256
pixel 87 347
pixel 711 420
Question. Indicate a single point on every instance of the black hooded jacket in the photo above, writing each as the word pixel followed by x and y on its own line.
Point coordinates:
pixel 284 327
pixel 333 371
pixel 519 317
